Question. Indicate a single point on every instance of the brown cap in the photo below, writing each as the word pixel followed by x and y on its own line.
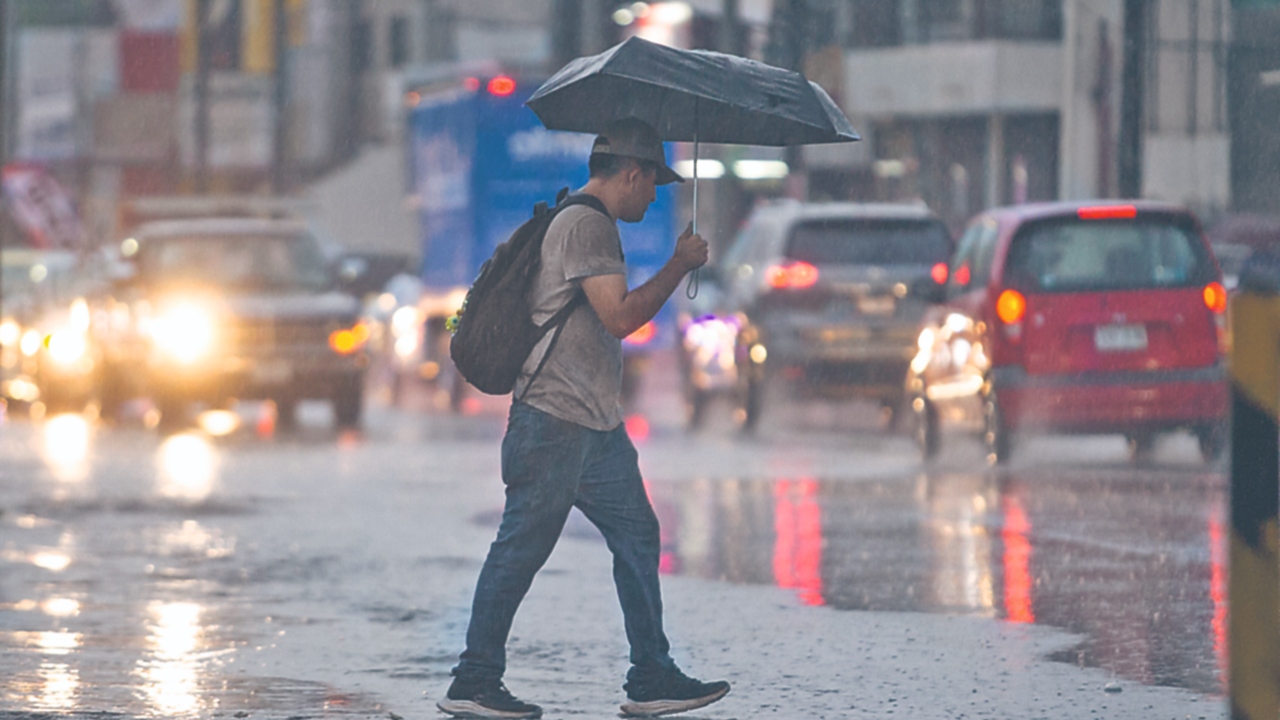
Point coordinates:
pixel 637 139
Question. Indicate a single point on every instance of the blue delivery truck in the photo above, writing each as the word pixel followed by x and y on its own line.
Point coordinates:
pixel 479 161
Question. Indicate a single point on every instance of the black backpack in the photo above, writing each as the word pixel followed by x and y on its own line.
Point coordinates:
pixel 495 332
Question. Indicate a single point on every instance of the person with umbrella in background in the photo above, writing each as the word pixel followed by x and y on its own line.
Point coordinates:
pixel 566 444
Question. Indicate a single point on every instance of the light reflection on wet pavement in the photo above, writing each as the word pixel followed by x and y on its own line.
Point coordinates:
pixel 119 615
pixel 1132 559
pixel 137 567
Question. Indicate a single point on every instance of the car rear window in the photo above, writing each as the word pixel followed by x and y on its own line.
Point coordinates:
pixel 251 261
pixel 1079 255
pixel 870 242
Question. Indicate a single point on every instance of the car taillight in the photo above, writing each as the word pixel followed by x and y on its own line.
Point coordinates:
pixel 792 276
pixel 939 273
pixel 643 335
pixel 1215 297
pixel 501 86
pixel 1011 308
pixel 1108 212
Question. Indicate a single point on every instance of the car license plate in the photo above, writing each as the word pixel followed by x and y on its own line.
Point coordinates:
pixel 274 372
pixel 881 305
pixel 1120 338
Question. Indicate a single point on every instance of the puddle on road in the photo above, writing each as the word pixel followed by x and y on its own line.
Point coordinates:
pixel 164 636
pixel 1132 560
pixel 169 658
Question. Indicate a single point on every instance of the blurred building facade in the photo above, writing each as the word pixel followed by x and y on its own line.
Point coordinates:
pixel 963 104
pixel 969 104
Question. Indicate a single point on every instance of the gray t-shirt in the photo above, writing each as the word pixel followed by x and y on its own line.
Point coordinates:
pixel 582 380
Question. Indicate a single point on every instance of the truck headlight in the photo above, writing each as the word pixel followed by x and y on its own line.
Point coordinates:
pixel 184 332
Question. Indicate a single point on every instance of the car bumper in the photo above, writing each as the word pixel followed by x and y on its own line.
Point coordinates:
pixel 298 375
pixel 1112 402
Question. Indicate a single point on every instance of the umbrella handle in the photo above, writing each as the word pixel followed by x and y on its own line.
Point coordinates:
pixel 691 290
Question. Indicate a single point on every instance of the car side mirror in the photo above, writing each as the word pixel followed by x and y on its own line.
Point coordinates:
pixel 929 291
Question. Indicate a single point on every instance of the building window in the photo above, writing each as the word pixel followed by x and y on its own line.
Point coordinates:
pixel 943 20
pixel 222 32
pixel 1020 19
pixel 398 42
pixel 875 23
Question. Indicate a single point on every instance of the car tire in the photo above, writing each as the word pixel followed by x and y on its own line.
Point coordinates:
pixel 996 437
pixel 173 412
pixel 752 402
pixel 1213 441
pixel 348 402
pixel 457 391
pixel 111 394
pixel 1142 446
pixel 927 431
pixel 697 403
pixel 286 413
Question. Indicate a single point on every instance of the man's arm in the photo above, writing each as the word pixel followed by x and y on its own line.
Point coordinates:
pixel 624 311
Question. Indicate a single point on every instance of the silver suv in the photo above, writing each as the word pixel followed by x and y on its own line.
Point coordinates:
pixel 820 294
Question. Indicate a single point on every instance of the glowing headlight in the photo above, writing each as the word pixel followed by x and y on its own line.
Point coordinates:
pixel 66 346
pixel 184 332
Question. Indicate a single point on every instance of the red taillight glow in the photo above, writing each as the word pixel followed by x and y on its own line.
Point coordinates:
pixel 939 273
pixel 472 84
pixel 794 276
pixel 1215 297
pixel 1011 307
pixel 643 335
pixel 963 275
pixel 502 86
pixel 1108 212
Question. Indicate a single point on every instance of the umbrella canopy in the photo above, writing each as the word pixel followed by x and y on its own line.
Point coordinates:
pixel 691 96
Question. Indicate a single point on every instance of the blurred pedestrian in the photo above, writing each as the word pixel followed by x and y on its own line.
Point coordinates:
pixel 566 445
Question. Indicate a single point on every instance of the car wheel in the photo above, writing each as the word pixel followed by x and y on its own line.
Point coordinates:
pixel 173 412
pixel 892 409
pixel 928 433
pixel 1213 441
pixel 996 437
pixel 1142 446
pixel 457 391
pixel 111 394
pixel 348 402
pixel 286 412
pixel 752 401
pixel 697 402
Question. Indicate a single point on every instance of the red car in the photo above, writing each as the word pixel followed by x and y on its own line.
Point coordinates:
pixel 1075 318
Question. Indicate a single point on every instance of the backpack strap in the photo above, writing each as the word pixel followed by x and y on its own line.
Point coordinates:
pixel 563 200
pixel 558 322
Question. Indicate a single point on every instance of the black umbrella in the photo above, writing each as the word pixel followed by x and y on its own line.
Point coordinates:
pixel 691 96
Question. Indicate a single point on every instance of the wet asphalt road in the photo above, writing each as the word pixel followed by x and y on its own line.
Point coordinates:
pixel 193 574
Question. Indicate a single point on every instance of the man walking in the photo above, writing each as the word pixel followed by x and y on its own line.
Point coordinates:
pixel 566 445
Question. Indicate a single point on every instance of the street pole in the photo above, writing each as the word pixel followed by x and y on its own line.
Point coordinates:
pixel 201 92
pixel 280 130
pixel 4 145
pixel 1254 584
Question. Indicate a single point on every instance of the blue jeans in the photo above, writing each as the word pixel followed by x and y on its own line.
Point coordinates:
pixel 550 466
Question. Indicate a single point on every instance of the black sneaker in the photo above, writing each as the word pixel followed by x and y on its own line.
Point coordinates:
pixel 485 700
pixel 670 692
